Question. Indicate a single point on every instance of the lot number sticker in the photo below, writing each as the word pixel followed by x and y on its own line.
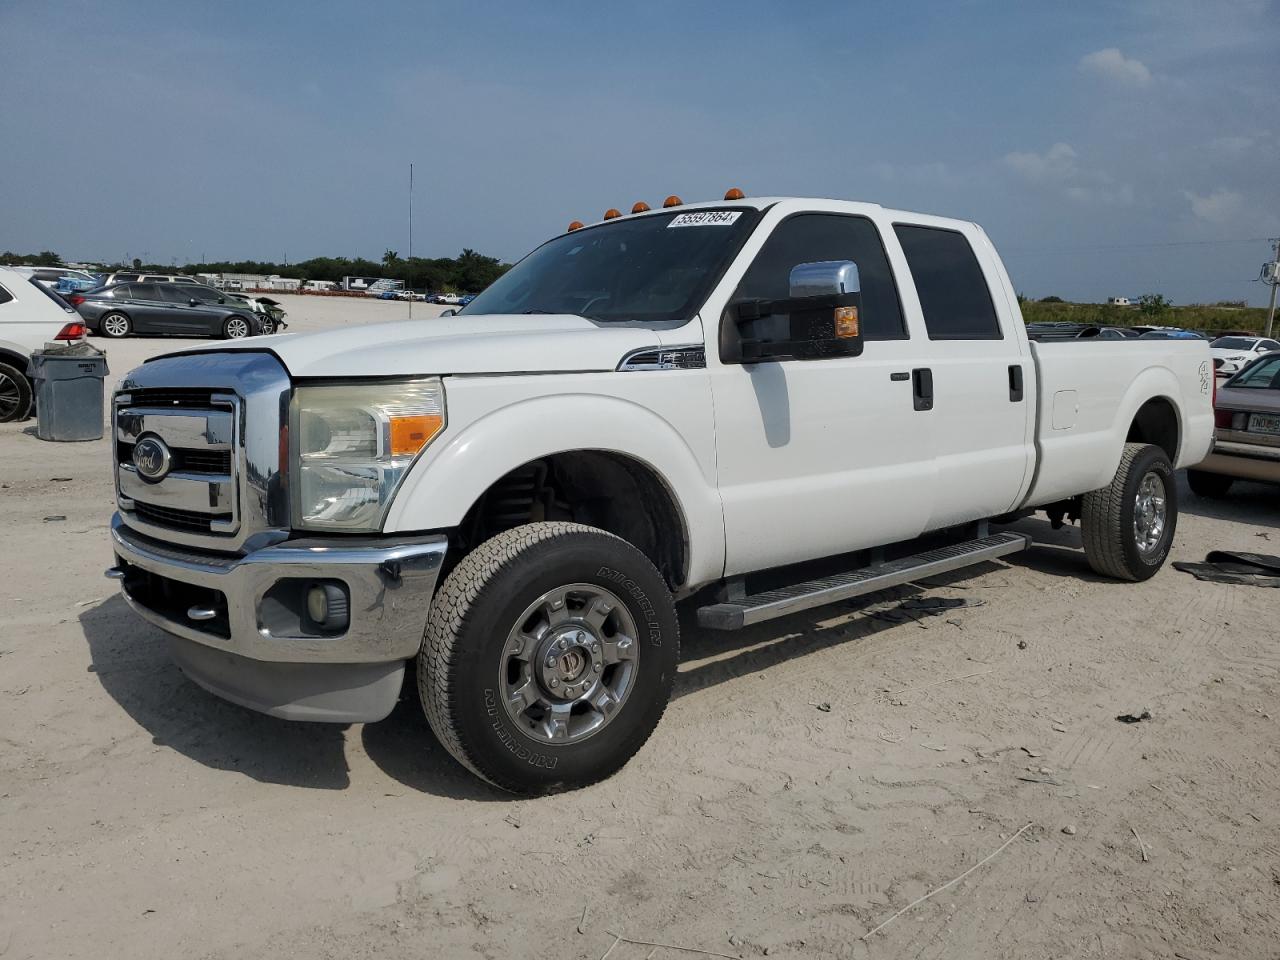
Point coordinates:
pixel 705 218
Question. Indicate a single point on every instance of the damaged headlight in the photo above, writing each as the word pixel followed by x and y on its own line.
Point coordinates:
pixel 352 445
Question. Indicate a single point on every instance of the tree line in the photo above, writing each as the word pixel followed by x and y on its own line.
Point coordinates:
pixel 469 272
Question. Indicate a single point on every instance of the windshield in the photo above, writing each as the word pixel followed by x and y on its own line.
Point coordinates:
pixel 1232 343
pixel 1264 374
pixel 648 269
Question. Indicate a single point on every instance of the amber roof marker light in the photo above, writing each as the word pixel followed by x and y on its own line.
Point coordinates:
pixel 733 193
pixel 576 225
pixel 640 207
pixel 611 213
pixel 672 201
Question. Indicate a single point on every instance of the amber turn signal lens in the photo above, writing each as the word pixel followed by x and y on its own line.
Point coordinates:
pixel 733 193
pixel 576 225
pixel 846 321
pixel 411 434
pixel 611 213
pixel 639 207
pixel 672 201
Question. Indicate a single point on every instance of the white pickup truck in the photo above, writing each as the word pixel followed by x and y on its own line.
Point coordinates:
pixel 760 406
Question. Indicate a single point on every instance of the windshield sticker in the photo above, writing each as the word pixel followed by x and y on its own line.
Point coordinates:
pixel 705 218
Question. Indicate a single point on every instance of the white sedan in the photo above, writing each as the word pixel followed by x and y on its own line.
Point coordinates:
pixel 1230 354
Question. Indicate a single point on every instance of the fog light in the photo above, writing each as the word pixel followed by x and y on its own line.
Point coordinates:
pixel 327 606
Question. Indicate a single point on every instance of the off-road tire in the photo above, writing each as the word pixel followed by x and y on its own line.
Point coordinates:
pixel 16 384
pixel 114 314
pixel 466 634
pixel 1107 516
pixel 1212 485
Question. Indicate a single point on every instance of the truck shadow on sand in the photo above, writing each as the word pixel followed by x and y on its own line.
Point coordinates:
pixel 131 660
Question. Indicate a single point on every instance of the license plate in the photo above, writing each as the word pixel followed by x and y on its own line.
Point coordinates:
pixel 1264 423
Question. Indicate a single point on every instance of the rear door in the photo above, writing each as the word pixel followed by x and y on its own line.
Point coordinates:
pixel 981 371
pixel 150 312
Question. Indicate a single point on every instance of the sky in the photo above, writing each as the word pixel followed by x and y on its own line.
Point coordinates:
pixel 1109 148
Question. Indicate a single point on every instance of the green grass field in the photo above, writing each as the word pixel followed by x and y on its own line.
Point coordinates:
pixel 1196 317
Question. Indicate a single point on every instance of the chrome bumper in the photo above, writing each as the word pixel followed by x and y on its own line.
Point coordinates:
pixel 244 655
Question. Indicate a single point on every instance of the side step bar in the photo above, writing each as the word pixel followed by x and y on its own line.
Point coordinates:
pixel 735 614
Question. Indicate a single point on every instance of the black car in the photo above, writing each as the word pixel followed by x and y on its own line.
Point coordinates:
pixel 186 309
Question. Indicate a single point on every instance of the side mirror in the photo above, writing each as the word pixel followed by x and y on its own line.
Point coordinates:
pixel 820 318
pixel 193 302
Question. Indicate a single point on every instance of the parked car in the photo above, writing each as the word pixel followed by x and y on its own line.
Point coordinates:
pixel 1170 334
pixel 62 280
pixel 190 310
pixel 388 294
pixel 634 413
pixel 446 298
pixel 463 301
pixel 133 276
pixel 1230 354
pixel 1080 331
pixel 1247 430
pixel 30 317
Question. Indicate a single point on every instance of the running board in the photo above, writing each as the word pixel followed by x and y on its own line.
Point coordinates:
pixel 735 614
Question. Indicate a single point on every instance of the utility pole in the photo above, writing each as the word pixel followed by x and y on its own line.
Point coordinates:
pixel 1273 289
pixel 1274 280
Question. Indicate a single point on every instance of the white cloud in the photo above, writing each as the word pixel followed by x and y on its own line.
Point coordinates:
pixel 1110 64
pixel 1218 206
pixel 1058 163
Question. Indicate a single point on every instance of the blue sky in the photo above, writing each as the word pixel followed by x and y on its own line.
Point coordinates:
pixel 1100 144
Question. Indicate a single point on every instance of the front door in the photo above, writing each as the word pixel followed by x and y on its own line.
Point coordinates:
pixel 821 457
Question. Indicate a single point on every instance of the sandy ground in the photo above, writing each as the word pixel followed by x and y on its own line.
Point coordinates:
pixel 812 776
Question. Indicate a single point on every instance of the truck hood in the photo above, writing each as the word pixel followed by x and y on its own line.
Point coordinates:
pixel 497 343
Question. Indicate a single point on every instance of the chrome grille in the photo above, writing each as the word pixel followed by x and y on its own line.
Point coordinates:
pixel 218 419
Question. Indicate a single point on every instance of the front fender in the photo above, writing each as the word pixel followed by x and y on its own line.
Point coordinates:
pixel 443 485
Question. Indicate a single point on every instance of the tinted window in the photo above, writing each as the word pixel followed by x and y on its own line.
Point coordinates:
pixel 124 278
pixel 814 237
pixel 1261 374
pixel 183 280
pixel 171 293
pixel 144 291
pixel 203 294
pixel 952 289
pixel 5 295
pixel 156 279
pixel 1266 345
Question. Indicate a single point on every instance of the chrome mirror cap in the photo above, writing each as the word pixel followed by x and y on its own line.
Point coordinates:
pixel 824 278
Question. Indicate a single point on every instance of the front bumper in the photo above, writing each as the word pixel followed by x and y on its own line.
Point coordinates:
pixel 246 642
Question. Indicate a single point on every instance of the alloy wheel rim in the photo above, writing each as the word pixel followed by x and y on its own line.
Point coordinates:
pixel 116 325
pixel 1150 513
pixel 9 395
pixel 237 328
pixel 569 664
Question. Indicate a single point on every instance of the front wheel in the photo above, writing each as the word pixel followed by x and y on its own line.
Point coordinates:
pixel 1128 526
pixel 548 657
pixel 1208 484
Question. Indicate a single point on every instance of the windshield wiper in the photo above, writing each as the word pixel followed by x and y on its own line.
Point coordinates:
pixel 526 312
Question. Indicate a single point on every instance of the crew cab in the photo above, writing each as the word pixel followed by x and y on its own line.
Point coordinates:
pixel 755 407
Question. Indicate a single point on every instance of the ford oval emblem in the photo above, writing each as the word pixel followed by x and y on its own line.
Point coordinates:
pixel 151 458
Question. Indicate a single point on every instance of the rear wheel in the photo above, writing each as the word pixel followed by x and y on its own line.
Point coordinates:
pixel 114 325
pixel 1128 526
pixel 236 328
pixel 15 394
pixel 1208 484
pixel 549 656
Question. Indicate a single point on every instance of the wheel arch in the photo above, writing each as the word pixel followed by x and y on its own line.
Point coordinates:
pixel 611 443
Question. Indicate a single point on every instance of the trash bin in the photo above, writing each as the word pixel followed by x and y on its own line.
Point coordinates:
pixel 69 391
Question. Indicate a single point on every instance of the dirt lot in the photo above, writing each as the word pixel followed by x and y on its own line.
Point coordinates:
pixel 810 778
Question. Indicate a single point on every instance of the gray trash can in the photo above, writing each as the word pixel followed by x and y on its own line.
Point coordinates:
pixel 69 391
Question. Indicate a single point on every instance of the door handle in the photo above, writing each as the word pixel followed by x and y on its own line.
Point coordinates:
pixel 922 388
pixel 1015 383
